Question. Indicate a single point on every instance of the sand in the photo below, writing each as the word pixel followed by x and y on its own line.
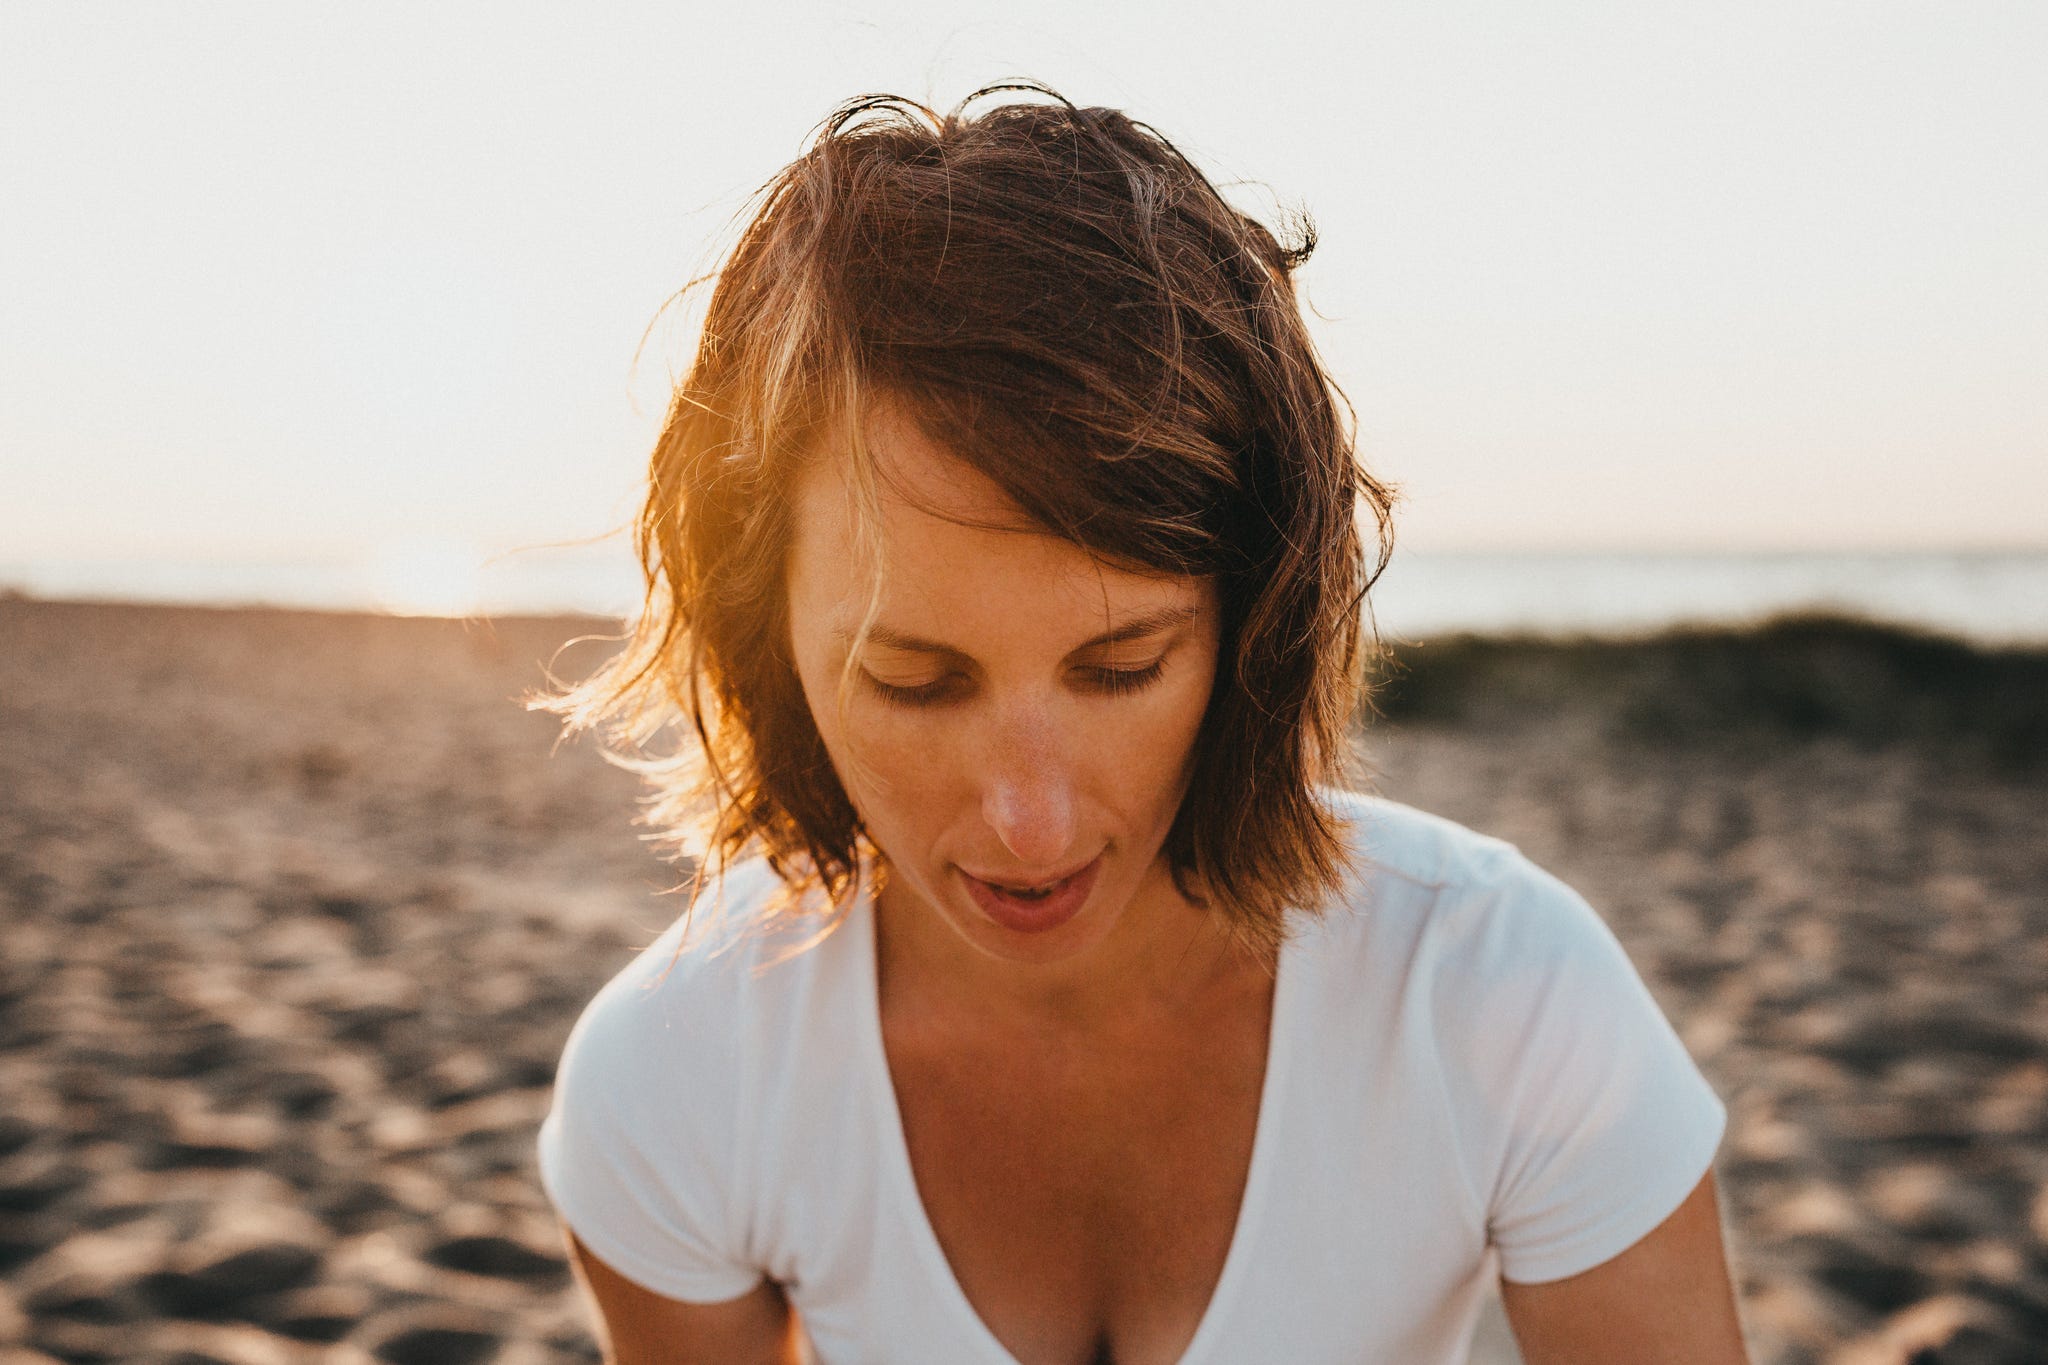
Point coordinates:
pixel 296 910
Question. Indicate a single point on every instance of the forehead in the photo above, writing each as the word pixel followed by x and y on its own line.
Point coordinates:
pixel 956 553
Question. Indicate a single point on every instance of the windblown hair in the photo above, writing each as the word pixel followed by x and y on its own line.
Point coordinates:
pixel 1062 300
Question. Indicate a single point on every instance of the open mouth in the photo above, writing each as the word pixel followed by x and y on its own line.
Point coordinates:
pixel 1033 907
pixel 1031 893
pixel 1030 890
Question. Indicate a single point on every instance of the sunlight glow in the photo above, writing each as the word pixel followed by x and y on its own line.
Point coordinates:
pixel 426 578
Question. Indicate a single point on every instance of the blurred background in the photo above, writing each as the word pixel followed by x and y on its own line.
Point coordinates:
pixel 1704 346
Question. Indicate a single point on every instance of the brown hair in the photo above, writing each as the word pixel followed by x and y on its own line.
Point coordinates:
pixel 1066 303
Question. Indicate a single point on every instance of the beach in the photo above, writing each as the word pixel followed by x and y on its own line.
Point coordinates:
pixel 297 908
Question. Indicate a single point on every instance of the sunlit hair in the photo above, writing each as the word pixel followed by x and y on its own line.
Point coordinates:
pixel 1059 298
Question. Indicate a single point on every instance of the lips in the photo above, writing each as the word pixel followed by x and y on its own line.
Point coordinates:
pixel 1029 884
pixel 1033 907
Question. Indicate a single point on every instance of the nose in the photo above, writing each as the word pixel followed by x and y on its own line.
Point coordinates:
pixel 1028 800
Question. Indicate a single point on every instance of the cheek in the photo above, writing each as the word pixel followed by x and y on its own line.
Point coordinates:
pixel 896 776
pixel 1169 747
pixel 890 773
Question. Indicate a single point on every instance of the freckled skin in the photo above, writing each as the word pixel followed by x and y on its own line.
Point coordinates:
pixel 1028 753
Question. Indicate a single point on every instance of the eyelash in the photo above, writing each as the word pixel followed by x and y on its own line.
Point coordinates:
pixel 1121 682
pixel 1112 682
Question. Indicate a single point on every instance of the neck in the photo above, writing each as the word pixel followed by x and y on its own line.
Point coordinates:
pixel 1164 956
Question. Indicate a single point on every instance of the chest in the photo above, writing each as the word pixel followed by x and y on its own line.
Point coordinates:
pixel 1086 1193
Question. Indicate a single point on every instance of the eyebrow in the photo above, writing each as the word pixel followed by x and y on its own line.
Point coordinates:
pixel 1138 627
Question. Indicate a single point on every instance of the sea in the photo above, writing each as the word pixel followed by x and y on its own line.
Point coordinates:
pixel 1991 598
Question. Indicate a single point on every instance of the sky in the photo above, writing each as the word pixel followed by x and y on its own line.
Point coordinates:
pixel 292 280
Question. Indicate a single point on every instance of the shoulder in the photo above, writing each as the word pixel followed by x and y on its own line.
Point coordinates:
pixel 1574 1112
pixel 672 1047
pixel 1390 839
pixel 1493 955
pixel 695 967
pixel 1476 900
pixel 649 1149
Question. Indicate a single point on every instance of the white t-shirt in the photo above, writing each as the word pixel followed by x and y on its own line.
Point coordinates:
pixel 1465 1078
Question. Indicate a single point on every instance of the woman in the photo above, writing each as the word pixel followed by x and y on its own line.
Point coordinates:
pixel 1041 1000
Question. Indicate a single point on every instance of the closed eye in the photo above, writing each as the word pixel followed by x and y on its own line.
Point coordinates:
pixel 1112 682
pixel 923 694
pixel 1118 682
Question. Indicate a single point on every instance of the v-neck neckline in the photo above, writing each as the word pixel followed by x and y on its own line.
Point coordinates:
pixel 900 1180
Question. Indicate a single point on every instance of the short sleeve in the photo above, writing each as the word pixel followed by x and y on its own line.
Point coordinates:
pixel 1588 1123
pixel 639 1149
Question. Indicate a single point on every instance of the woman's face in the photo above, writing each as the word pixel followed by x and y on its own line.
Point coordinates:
pixel 1017 733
